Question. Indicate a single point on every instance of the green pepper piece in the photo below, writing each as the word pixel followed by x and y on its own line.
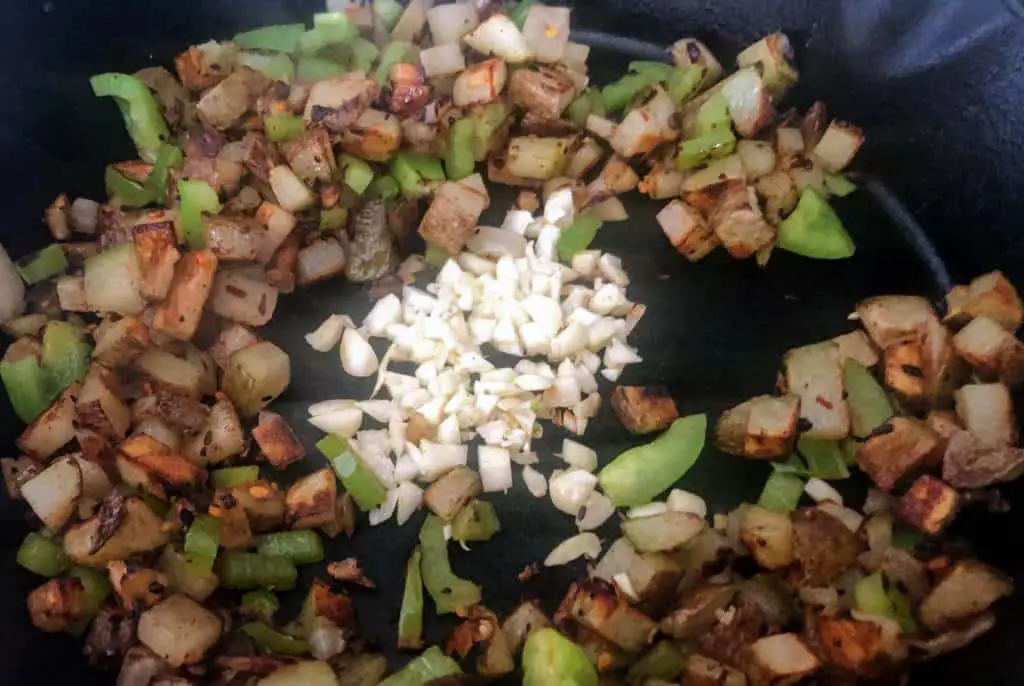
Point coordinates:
pixel 203 540
pixel 313 69
pixel 490 122
pixel 283 127
pixel 301 547
pixel 260 605
pixel 129 192
pixel 519 13
pixel 241 571
pixel 638 475
pixel 357 173
pixel 232 477
pixel 684 83
pixel 196 197
pixel 868 403
pixel 664 661
pixel 579 109
pixel 394 53
pixel 412 170
pixel 41 555
pixel 824 458
pixel 276 38
pixel 578 236
pixel 271 641
pixel 662 71
pixel 458 160
pixel 169 157
pixel 278 67
pixel 383 187
pixel 850 452
pixel 43 264
pixel 358 479
pixel 712 115
pixel 388 11
pixel 781 492
pixel 449 592
pixel 902 612
pixel 618 94
pixel 333 219
pixel 551 658
pixel 432 664
pixel 329 28
pixel 717 143
pixel 64 356
pixel 140 110
pixel 870 596
pixel 794 464
pixel 813 230
pixel 97 588
pixel 838 185
pixel 363 54
pixel 906 537
pixel 26 387
pixel 410 617
pixel 476 522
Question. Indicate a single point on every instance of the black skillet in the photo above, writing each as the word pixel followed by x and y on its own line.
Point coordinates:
pixel 938 87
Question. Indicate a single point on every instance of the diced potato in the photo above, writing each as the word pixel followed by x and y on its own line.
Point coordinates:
pixel 235 532
pixel 955 639
pixel 616 178
pixel 758 158
pixel 704 188
pixel 653 577
pixel 595 605
pixel 698 611
pixel 231 338
pixel 590 154
pixel 179 315
pixel 169 372
pixel 375 136
pixel 291 193
pixel 838 146
pixel 645 128
pixel 860 647
pixel 789 141
pixel 605 656
pixel 480 83
pixel 665 531
pixel 157 249
pixel 771 55
pixel 120 342
pixel 970 463
pixel 51 430
pixel 224 104
pixel 943 422
pixel 311 156
pixel 136 587
pixel 644 409
pixel 779 194
pixel 750 103
pixel 307 673
pixel 233 238
pixel 184 579
pixel 991 350
pixel 541 92
pixel 686 229
pixel 138 478
pixel 987 412
pixel 336 607
pixel 814 373
pixel 98 408
pixel 447 225
pixel 57 605
pixel 532 157
pixel 823 547
pixel 898 450
pixel 255 376
pixel 139 532
pixel 690 52
pixel 264 504
pixel 779 660
pixel 929 504
pixel 522 622
pixel 771 426
pixel 179 630
pixel 203 66
pixel 703 671
pixel 53 494
pixel 968 589
pixel 738 222
pixel 769 536
pixel 276 440
pixel 904 371
pixel 337 103
pixel 222 437
pixel 156 458
pixel 857 346
pixel 990 295
pixel 453 491
pixel 893 319
pixel 310 501
pixel 175 411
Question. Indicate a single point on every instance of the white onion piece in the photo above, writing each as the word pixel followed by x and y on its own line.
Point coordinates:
pixel 435 459
pixel 533 382
pixel 500 36
pixel 571 489
pixel 584 262
pixel 449 23
pixel 325 639
pixel 851 518
pixel 442 60
pixel 406 469
pixel 622 582
pixel 560 206
pixel 820 491
pixel 328 334
pixel 357 357
pixel 383 370
pixel 380 410
pixel 409 499
pixel 578 455
pixel 495 467
pixel 535 482
pixel 12 289
pixel 386 311
pixel 648 510
pixel 475 264
pixel 517 221
pixel 536 340
pixel 610 267
pixel 448 431
pixel 684 501
pixel 386 510
pixel 618 354
pixel 524 458
pixel 84 215
pixel 547 243
pixel 580 545
pixel 606 298
pixel 595 512
pixel 571 340
pixel 589 408
pixel 328 406
pixel 342 423
pixel 612 373
pixel 544 311
pixel 496 243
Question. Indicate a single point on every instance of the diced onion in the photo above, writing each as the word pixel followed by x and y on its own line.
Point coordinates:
pixel 684 501
pixel 328 334
pixel 379 515
pixel 449 23
pixel 580 545
pixel 535 482
pixel 578 455
pixel 328 406
pixel 495 467
pixel 648 510
pixel 386 311
pixel 594 512
pixel 409 499
pixel 820 491
pixel 571 489
pixel 851 518
pixel 436 458
pixel 357 357
pixel 325 639
pixel 342 423
pixel 496 243
pixel 622 582
pixel 442 60
pixel 499 36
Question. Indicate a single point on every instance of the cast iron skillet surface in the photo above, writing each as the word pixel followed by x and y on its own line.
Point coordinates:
pixel 934 87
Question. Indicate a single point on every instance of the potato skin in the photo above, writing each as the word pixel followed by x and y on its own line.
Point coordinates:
pixel 644 409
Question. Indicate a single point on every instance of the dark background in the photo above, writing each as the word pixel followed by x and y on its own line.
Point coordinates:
pixel 938 87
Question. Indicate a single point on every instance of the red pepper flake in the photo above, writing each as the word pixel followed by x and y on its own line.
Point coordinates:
pixel 824 403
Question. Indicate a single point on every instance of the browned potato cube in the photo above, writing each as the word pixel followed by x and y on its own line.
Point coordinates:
pixel 814 373
pixel 235 531
pixel 99 408
pixel 337 103
pixel 203 66
pixel 595 605
pixel 157 249
pixel 447 225
pixel 310 501
pixel 968 589
pixel 337 607
pixel 858 346
pixel 137 588
pixel 264 504
pixel 823 547
pixel 704 188
pixel 540 92
pixel 771 427
pixel 970 463
pixel 930 505
pixel 310 156
pixel 904 371
pixel 892 319
pixel 703 671
pixel 837 147
pixel 277 441
pixel 140 531
pixel 644 409
pixel 987 412
pixel 179 630
pixel 779 660
pixel 687 230
pixel 179 315
pixel 897 450
pixel 374 136
pixel 156 458
pixel 121 342
pixel 980 343
pixel 769 536
pixel 858 647
pixel 57 605
pixel 51 430
pixel 943 422
pixel 990 295
pixel 453 491
pixel 738 222
pixel 698 611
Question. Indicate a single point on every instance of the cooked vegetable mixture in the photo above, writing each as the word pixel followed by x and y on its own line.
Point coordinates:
pixel 290 155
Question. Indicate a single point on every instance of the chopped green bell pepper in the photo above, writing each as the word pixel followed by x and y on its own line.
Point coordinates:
pixel 459 161
pixel 638 475
pixel 270 641
pixel 358 479
pixel 578 236
pixel 781 492
pixel 903 612
pixel 313 69
pixel 26 387
pixel 333 219
pixel 410 617
pixel 65 356
pixel 871 597
pixel 362 54
pixel 449 592
pixel 383 187
pixel 302 547
pixel 824 458
pixel 813 230
pixel 241 571
pixel 550 658
pixel 684 83
pixel 838 185
pixel 261 605
pixel 276 38
pixel 412 171
pixel 97 588
pixel 278 66
pixel 357 173
pixel 435 257
pixel 140 110
pixel 432 664
pixel 868 403
pixel 169 157
pixel 43 264
pixel 203 540
pixel 130 193
pixel 477 521
pixel 664 661
pixel 712 134
pixel 232 477
pixel 388 11
pixel 490 121
pixel 586 103
pixel 196 197
pixel 329 28
pixel 618 94
pixel 41 555
pixel 283 127
pixel 519 12
pixel 662 71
